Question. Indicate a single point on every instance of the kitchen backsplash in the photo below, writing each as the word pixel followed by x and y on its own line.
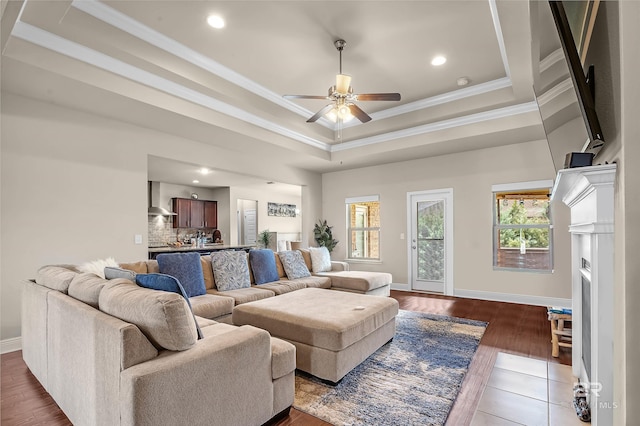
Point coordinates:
pixel 161 231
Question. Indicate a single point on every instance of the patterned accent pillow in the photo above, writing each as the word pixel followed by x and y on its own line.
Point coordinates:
pixel 293 264
pixel 320 259
pixel 230 270
pixel 187 269
pixel 166 283
pixel 263 266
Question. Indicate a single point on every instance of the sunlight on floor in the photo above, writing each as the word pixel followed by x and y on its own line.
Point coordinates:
pixel 527 391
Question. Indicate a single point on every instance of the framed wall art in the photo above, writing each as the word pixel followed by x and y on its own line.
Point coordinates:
pixel 282 210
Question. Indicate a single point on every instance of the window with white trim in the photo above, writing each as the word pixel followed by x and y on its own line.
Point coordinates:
pixel 363 227
pixel 522 226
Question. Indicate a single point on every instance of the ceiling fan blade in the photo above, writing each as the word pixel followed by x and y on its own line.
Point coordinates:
pixel 378 97
pixel 359 113
pixel 306 97
pixel 320 113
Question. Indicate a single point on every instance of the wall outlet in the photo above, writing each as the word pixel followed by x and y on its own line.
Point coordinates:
pixel 137 239
pixel 402 236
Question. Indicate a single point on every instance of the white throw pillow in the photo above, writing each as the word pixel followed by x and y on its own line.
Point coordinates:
pixel 97 266
pixel 320 259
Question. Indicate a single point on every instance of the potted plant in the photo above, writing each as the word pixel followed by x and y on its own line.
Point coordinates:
pixel 323 236
pixel 264 237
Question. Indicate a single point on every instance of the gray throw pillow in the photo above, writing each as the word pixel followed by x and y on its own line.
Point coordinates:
pixel 111 273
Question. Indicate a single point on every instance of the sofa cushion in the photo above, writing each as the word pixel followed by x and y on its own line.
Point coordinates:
pixel 137 267
pixel 294 264
pixel 230 270
pixel 168 283
pixel 164 317
pixel 210 306
pixel 152 266
pixel 320 259
pixel 313 281
pixel 263 265
pixel 111 272
pixel 285 286
pixel 186 267
pixel 56 277
pixel 245 295
pixel 207 272
pixel 360 281
pixel 307 257
pixel 86 287
pixel 279 267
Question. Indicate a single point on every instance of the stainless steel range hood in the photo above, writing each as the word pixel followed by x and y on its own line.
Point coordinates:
pixel 154 193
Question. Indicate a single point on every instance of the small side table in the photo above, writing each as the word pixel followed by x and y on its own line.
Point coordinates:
pixel 560 336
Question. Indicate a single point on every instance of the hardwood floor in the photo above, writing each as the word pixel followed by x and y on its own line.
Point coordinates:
pixel 513 328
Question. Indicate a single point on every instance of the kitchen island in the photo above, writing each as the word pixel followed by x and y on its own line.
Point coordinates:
pixel 206 249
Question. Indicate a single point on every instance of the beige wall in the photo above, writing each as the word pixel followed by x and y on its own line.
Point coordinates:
pixel 74 188
pixel 471 175
pixel 264 221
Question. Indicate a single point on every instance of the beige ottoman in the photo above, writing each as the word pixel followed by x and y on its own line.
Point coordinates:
pixel 332 331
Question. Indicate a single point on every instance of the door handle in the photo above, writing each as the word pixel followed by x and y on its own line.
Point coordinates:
pixel 413 247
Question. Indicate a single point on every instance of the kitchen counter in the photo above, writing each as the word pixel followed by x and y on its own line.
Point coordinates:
pixel 208 248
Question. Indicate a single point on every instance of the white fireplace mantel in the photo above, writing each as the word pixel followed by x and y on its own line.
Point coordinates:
pixel 589 193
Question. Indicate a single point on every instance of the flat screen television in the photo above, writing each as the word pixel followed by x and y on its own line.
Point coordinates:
pixel 566 103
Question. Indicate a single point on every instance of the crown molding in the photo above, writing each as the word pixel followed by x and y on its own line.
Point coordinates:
pixel 439 125
pixel 498 28
pixel 551 59
pixel 136 29
pixel 84 54
pixel 555 91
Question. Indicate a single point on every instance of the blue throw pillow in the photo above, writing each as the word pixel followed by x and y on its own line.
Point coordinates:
pixel 263 266
pixel 187 268
pixel 166 283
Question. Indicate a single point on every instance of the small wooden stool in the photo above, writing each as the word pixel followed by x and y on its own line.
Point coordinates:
pixel 559 335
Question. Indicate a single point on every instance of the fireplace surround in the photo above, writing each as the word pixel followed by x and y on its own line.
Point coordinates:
pixel 589 193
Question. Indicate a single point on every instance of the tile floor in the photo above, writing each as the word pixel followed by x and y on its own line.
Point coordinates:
pixel 527 391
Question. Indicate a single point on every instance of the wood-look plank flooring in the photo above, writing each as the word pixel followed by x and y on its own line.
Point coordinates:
pixel 513 328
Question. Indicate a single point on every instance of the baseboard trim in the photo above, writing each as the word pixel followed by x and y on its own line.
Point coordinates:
pixel 10 345
pixel 400 286
pixel 524 299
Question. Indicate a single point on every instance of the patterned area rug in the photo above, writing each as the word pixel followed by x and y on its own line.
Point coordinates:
pixel 413 380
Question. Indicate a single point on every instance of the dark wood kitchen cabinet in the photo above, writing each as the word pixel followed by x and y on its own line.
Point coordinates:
pixel 195 213
pixel 211 214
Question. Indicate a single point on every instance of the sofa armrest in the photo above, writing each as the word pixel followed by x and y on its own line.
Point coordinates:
pixel 225 379
pixel 337 266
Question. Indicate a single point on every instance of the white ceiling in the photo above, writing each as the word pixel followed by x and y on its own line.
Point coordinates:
pixel 158 64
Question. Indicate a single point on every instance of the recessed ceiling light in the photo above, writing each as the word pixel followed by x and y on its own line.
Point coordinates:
pixel 438 60
pixel 215 21
pixel 196 181
pixel 205 171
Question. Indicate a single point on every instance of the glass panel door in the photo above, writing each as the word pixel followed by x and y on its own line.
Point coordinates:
pixel 429 241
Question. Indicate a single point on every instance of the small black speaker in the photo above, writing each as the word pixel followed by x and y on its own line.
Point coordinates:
pixel 578 159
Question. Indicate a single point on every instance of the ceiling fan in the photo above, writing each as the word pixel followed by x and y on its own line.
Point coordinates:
pixel 342 98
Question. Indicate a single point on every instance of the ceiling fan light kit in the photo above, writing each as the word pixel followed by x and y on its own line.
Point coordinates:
pixel 342 107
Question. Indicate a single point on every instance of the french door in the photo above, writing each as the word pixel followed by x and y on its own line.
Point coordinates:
pixel 431 240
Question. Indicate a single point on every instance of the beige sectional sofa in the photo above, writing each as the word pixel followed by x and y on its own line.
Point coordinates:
pixel 339 278
pixel 112 353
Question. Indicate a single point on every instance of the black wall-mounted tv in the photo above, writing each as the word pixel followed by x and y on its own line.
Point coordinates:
pixel 564 138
